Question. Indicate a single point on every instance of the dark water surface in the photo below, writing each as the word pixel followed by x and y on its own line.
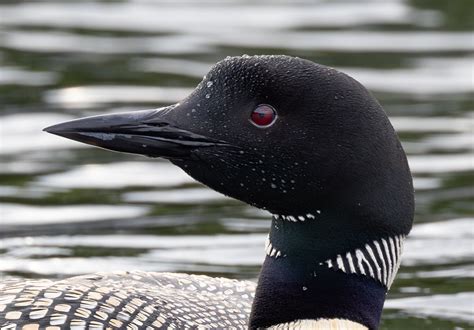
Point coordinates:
pixel 69 209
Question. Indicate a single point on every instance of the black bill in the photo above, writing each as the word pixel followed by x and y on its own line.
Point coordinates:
pixel 139 132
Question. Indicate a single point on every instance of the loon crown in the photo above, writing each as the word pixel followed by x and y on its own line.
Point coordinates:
pixel 307 143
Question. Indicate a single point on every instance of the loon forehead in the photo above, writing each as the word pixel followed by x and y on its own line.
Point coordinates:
pixel 263 66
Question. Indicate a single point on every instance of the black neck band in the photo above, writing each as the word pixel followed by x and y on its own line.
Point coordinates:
pixel 290 290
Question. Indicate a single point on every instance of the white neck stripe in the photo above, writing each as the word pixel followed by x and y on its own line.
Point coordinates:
pixel 390 260
pixel 297 218
pixel 271 251
pixel 372 260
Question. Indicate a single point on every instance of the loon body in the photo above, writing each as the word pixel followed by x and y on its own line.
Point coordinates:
pixel 129 300
pixel 301 140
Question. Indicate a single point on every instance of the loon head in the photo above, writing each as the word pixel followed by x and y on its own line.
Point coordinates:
pixel 307 143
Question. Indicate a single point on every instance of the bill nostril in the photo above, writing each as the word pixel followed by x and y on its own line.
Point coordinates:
pixel 155 124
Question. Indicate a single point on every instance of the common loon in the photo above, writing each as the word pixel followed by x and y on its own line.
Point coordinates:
pixel 305 142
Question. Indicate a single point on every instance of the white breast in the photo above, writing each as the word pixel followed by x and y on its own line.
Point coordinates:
pixel 321 324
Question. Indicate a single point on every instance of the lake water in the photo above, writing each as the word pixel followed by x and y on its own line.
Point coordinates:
pixel 70 209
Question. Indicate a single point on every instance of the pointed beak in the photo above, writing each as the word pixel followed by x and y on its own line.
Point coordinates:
pixel 139 132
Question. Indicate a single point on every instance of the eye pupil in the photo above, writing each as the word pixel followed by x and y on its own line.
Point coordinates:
pixel 263 116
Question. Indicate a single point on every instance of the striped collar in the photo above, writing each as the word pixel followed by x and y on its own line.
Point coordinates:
pixel 379 259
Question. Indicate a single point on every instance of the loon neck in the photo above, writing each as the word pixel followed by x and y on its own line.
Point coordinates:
pixel 288 291
pixel 314 271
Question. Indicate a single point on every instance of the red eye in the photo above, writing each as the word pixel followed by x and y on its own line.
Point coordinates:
pixel 263 116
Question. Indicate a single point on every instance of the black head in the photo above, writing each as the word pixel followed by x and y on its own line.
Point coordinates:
pixel 331 145
pixel 327 147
